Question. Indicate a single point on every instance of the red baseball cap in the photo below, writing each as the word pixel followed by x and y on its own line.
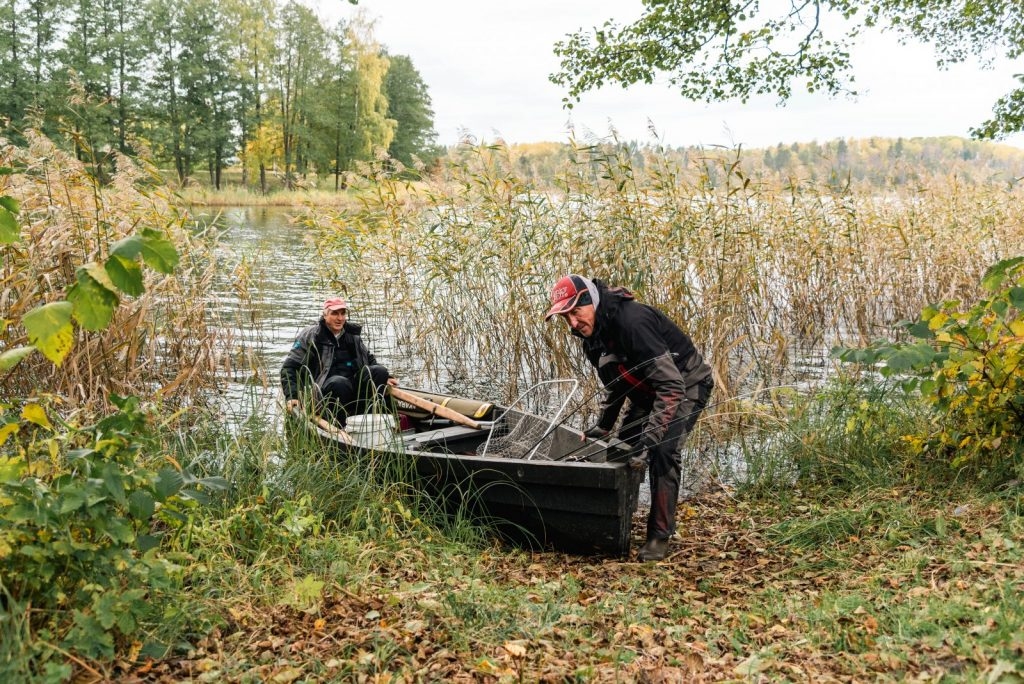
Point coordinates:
pixel 569 292
pixel 334 303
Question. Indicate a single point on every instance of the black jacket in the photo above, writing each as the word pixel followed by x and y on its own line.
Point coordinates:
pixel 641 355
pixel 311 356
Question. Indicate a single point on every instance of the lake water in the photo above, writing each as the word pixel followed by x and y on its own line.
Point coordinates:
pixel 268 288
pixel 265 292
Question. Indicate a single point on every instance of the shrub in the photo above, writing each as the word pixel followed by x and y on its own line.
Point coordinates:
pixel 77 543
pixel 966 363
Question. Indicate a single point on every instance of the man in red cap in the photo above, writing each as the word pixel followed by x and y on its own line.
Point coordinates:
pixel 642 356
pixel 330 359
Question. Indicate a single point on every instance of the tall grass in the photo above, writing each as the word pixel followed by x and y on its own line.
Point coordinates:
pixel 764 277
pixel 160 343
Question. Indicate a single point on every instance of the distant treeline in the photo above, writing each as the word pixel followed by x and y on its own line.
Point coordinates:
pixel 840 163
pixel 206 84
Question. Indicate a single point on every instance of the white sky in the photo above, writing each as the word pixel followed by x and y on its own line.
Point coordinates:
pixel 486 65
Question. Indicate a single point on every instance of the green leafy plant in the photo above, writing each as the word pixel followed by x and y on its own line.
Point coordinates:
pixel 107 280
pixel 93 297
pixel 83 571
pixel 967 363
pixel 8 211
pixel 77 537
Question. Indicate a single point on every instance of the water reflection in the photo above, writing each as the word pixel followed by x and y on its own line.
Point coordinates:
pixel 265 291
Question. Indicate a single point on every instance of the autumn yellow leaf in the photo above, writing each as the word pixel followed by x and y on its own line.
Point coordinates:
pixel 8 430
pixel 34 413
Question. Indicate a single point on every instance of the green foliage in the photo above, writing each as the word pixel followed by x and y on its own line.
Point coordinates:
pixel 49 329
pixel 83 573
pixel 847 435
pixel 9 233
pixel 410 106
pixel 248 80
pixel 713 51
pixel 77 536
pixel 94 296
pixel 968 365
pixel 96 292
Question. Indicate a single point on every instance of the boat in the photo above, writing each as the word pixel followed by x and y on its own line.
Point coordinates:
pixel 534 481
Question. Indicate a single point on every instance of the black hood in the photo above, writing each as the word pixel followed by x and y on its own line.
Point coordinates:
pixel 611 300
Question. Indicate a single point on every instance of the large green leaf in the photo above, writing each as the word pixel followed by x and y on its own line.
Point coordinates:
pixel 913 356
pixel 9 233
pixel 118 530
pixel 997 272
pixel 49 329
pixel 93 297
pixel 10 358
pixel 1016 296
pixel 113 480
pixel 128 247
pixel 141 505
pixel 125 274
pixel 72 498
pixel 168 483
pixel 158 252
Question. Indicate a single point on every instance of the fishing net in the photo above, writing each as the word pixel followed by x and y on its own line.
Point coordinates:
pixel 517 436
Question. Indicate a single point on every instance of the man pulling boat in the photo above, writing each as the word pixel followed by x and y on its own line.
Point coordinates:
pixel 642 356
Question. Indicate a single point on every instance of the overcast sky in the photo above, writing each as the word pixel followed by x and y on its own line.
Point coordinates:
pixel 486 65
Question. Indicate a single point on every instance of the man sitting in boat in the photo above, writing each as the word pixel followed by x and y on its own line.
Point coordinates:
pixel 642 356
pixel 330 363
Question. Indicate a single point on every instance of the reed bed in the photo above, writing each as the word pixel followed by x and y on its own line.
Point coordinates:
pixel 159 344
pixel 766 276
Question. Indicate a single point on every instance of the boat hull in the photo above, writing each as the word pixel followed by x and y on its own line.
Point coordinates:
pixel 566 496
pixel 582 508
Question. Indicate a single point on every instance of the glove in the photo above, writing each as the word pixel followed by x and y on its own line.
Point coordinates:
pixel 624 452
pixel 639 461
pixel 596 432
pixel 640 458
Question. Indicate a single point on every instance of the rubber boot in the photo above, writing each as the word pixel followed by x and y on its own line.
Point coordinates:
pixel 653 550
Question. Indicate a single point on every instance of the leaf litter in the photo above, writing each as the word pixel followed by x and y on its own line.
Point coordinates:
pixel 731 603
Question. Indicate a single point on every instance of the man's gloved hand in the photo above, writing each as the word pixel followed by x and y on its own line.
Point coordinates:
pixel 639 456
pixel 624 452
pixel 640 459
pixel 596 432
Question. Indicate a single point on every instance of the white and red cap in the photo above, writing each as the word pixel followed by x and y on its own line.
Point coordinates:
pixel 571 291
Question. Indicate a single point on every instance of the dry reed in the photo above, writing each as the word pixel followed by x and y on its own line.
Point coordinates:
pixel 158 344
pixel 765 278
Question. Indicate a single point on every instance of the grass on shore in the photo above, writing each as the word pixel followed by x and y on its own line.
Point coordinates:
pixel 881 571
pixel 864 569
pixel 885 585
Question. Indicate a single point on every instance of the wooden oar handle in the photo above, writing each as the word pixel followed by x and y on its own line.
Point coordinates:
pixel 328 427
pixel 434 408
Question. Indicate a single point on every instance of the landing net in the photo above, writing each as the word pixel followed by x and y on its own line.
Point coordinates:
pixel 521 435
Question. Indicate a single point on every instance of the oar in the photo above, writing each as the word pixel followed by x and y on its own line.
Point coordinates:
pixel 434 408
pixel 328 427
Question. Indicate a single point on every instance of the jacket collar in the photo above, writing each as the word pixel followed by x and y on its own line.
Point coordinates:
pixel 348 329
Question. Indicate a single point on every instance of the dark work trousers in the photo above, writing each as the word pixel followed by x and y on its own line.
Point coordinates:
pixel 665 461
pixel 343 397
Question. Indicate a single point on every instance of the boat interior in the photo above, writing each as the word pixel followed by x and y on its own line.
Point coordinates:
pixel 499 432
